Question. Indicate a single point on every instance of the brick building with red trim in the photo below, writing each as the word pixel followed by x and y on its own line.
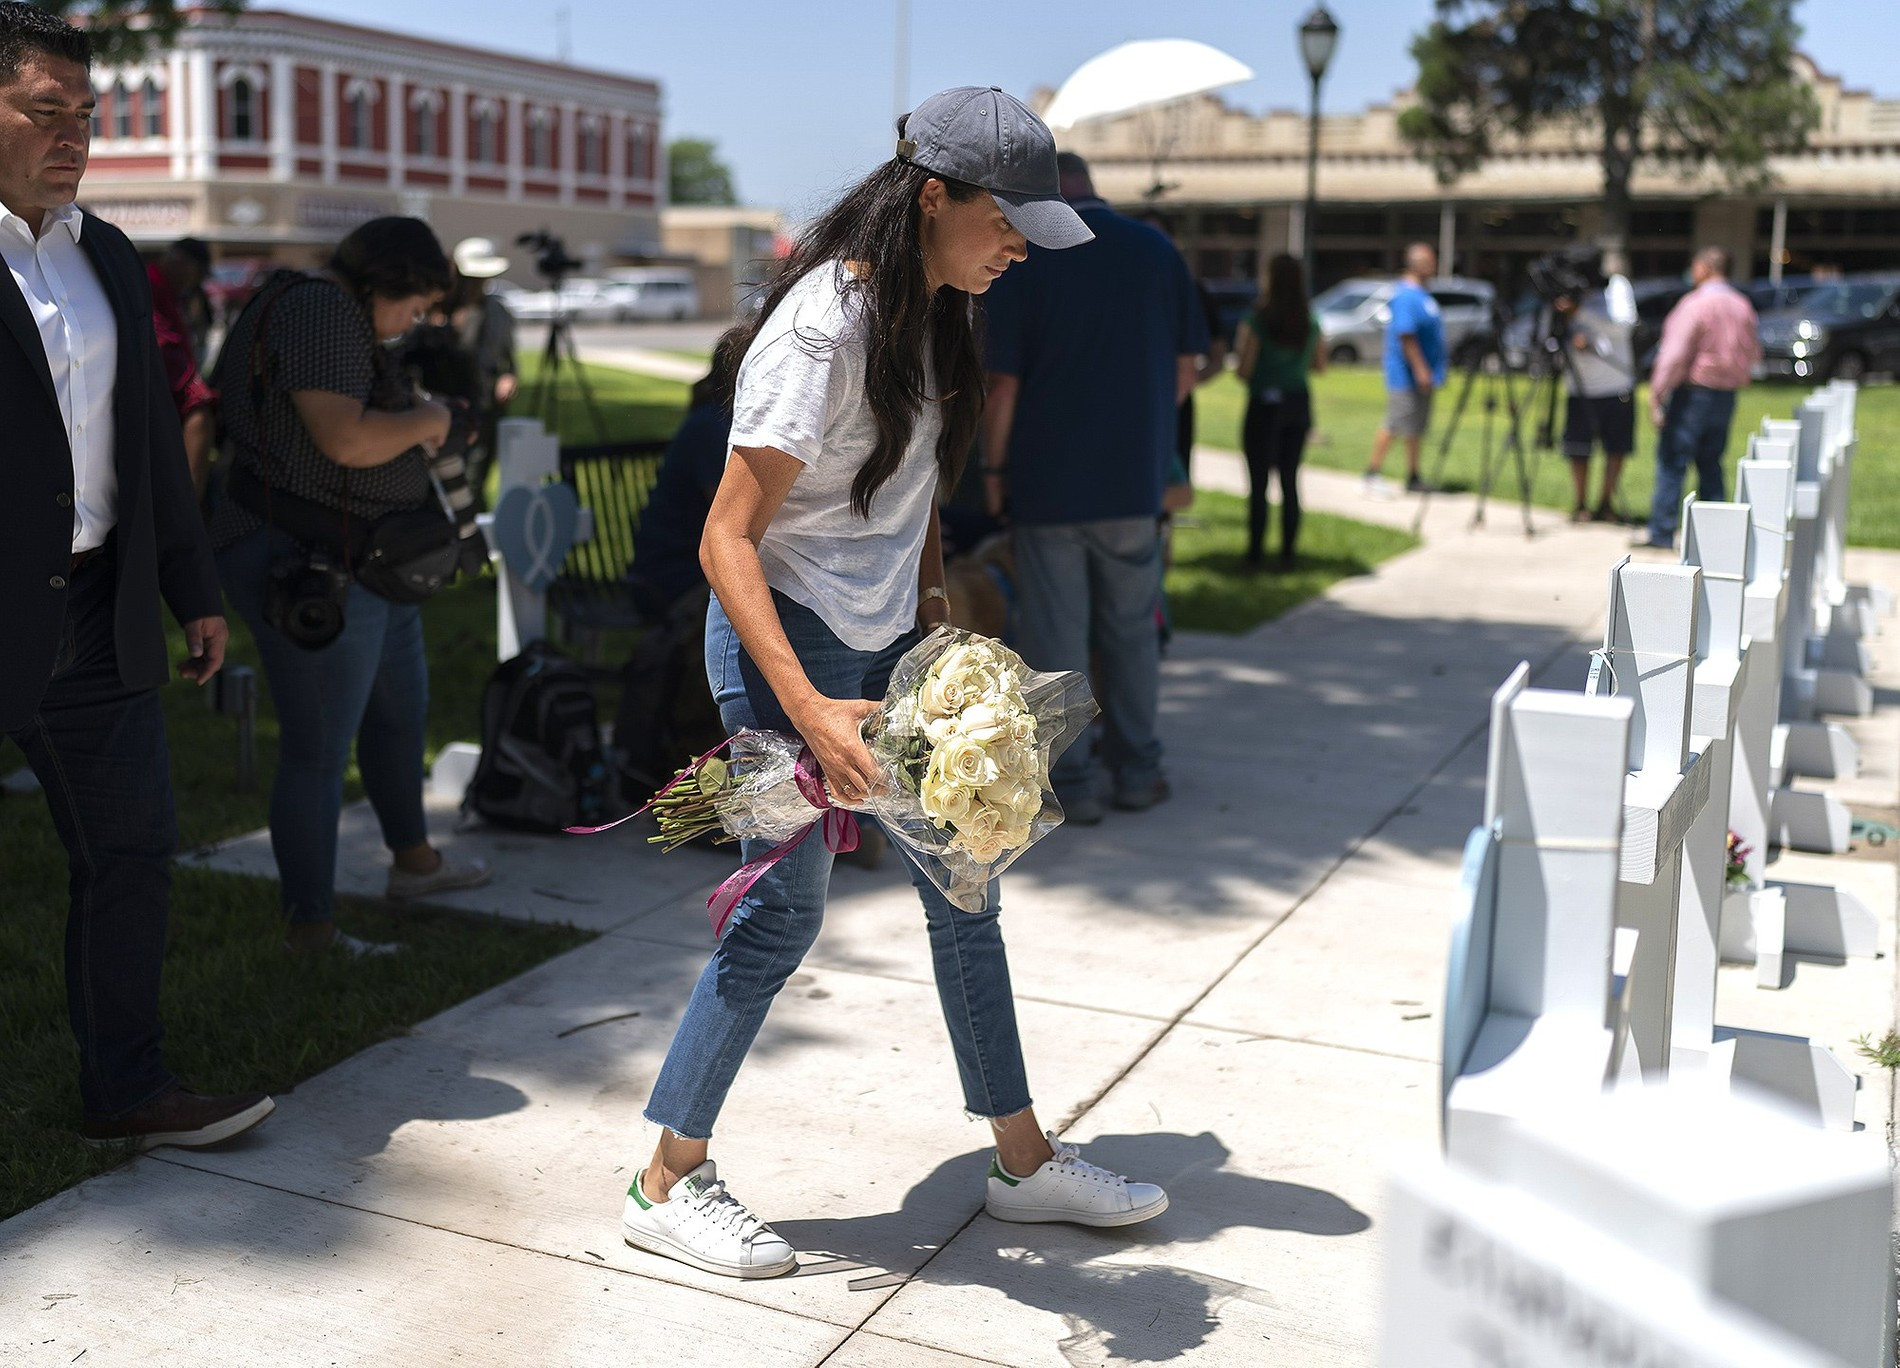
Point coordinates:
pixel 272 134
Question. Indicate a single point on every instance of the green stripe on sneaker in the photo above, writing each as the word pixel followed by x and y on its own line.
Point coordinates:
pixel 996 1171
pixel 637 1195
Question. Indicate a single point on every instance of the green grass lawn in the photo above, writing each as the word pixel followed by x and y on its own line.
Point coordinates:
pixel 1209 590
pixel 1349 402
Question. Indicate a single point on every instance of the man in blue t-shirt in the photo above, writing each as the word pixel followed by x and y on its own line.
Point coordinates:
pixel 1414 369
pixel 1089 353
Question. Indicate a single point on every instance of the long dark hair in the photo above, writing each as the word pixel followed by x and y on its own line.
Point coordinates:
pixel 875 228
pixel 1285 315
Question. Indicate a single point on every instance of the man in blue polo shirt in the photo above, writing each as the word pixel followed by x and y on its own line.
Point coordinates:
pixel 1414 369
pixel 1090 352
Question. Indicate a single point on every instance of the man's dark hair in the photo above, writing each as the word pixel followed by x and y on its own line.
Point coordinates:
pixel 1716 259
pixel 392 257
pixel 1071 164
pixel 26 29
pixel 193 250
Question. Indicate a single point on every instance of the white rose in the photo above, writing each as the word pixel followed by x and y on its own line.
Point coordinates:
pixel 940 729
pixel 983 723
pixel 981 823
pixel 1015 834
pixel 986 851
pixel 1022 726
pixel 966 762
pixel 952 661
pixel 944 801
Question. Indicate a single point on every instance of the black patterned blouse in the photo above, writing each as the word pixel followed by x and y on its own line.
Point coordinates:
pixel 315 338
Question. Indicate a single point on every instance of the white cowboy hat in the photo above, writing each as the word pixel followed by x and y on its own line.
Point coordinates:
pixel 477 259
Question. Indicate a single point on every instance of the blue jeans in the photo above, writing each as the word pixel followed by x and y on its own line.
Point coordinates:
pixel 1695 428
pixel 370 686
pixel 1093 587
pixel 778 919
pixel 98 749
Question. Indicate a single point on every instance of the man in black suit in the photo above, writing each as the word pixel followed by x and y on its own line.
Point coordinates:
pixel 97 524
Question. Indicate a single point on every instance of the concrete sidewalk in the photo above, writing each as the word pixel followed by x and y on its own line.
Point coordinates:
pixel 1236 994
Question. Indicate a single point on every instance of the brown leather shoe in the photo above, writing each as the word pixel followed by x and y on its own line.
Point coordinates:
pixel 180 1117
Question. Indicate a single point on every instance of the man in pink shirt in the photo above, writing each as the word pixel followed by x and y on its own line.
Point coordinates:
pixel 1709 349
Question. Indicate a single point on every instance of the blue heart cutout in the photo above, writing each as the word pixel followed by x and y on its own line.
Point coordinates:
pixel 534 531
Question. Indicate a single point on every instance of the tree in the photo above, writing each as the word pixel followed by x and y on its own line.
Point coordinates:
pixel 695 175
pixel 1690 83
pixel 124 30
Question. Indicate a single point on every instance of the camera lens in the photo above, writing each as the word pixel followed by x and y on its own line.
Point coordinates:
pixel 313 622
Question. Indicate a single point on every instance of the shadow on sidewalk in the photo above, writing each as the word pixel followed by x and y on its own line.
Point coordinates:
pixel 1117 1304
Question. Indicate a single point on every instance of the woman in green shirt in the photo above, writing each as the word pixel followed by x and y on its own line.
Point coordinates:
pixel 1277 348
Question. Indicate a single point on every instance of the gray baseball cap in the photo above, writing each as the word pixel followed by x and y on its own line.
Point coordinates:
pixel 980 135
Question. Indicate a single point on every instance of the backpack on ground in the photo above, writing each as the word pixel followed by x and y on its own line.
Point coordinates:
pixel 542 766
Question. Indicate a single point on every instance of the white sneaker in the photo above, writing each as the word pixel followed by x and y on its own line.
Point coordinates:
pixel 702 1224
pixel 1378 487
pixel 453 873
pixel 1067 1188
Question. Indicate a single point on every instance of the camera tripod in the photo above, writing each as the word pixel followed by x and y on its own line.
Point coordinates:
pixel 560 353
pixel 1489 367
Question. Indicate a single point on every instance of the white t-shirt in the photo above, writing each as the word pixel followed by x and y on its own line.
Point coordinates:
pixel 801 391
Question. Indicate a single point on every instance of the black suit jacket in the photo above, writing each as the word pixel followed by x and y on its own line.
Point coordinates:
pixel 161 544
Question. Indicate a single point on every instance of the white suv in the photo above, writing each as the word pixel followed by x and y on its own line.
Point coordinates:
pixel 1353 315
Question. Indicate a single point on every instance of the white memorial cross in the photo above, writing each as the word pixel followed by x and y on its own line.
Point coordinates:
pixel 526 455
pixel 1532 1018
pixel 1766 921
pixel 1807 1076
pixel 1650 1227
pixel 1836 662
pixel 1649 657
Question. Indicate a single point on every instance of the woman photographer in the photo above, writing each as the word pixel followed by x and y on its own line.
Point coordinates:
pixel 318 417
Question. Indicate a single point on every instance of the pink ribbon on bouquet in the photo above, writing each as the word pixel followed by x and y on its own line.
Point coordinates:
pixel 841 837
pixel 840 829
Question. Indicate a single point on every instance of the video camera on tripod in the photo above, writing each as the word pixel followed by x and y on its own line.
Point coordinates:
pixel 559 356
pixel 550 256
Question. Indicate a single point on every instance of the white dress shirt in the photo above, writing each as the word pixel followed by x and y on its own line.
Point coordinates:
pixel 81 337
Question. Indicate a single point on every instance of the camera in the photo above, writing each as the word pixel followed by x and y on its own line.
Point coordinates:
pixel 1570 274
pixel 306 598
pixel 550 254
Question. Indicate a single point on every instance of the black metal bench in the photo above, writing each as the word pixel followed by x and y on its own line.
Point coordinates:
pixel 591 593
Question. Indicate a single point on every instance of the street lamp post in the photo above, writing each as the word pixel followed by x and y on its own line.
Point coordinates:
pixel 1318 36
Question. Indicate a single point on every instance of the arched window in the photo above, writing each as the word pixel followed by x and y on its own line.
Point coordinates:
pixel 243 122
pixel 487 145
pixel 422 113
pixel 592 163
pixel 540 139
pixel 359 116
pixel 638 167
pixel 151 109
pixel 121 110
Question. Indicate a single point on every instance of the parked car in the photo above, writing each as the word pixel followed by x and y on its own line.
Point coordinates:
pixel 232 282
pixel 582 299
pixel 1770 296
pixel 649 292
pixel 1353 315
pixel 1840 331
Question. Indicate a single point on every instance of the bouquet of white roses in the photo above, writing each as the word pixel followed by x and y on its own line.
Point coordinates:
pixel 963 743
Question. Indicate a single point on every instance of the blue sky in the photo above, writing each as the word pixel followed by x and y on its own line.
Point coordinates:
pixel 799 93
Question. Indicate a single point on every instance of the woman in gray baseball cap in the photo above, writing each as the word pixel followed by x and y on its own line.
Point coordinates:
pixel 857 399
